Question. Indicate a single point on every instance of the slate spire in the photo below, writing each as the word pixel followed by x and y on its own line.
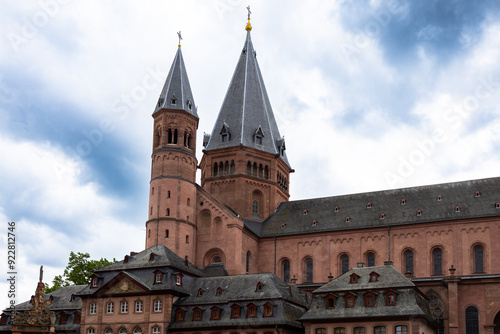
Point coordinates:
pixel 246 111
pixel 176 93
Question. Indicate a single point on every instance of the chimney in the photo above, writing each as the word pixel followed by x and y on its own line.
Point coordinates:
pixel 387 263
pixel 361 264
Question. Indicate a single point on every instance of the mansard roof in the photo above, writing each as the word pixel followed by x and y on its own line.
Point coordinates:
pixel 246 108
pixel 409 301
pixel 177 89
pixel 416 205
pixel 138 271
pixel 289 303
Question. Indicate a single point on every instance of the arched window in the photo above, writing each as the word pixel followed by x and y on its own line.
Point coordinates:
pixel 137 330
pixel 156 329
pixel 370 259
pixel 187 239
pixel 221 168
pixel 360 330
pixel 478 259
pixel 408 264
pixel 471 320
pixel 108 331
pixel 168 212
pixel 320 331
pixel 254 169
pixel 169 136
pixel 255 208
pixel 167 233
pixel 286 271
pixel 309 270
pixel 437 261
pixel 266 172
pixel 216 169
pixel 122 330
pixel 249 168
pixel 261 171
pixel 344 263
pixel 330 301
pixel 248 262
pixel 175 136
pixel 437 312
pixel 401 329
pixel 226 168
pixel 231 170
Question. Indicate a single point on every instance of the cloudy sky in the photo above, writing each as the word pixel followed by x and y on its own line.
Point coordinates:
pixel 370 95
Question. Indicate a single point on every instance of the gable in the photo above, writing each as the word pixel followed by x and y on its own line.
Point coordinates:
pixel 123 285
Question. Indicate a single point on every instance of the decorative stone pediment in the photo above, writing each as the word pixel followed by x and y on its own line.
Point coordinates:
pixel 125 285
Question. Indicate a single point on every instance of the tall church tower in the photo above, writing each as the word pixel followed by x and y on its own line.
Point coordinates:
pixel 244 164
pixel 173 165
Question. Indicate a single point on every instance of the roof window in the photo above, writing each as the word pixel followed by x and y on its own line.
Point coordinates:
pixel 477 193
pixel 382 215
pixel 369 205
pixel 497 205
pixel 173 100
pixel 305 212
pixel 314 222
pixel 457 208
pixel 403 201
pixel 347 219
pixel 336 208
pixel 419 213
pixel 439 198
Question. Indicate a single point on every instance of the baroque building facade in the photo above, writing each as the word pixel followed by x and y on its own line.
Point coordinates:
pixel 236 243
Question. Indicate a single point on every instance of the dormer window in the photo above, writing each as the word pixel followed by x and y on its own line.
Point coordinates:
pixel 215 313
pixel 178 279
pixel 219 291
pixel 477 193
pixel 349 300
pixel 224 132
pixel 283 225
pixel 390 298
pixel 439 198
pixel 369 299
pixel 94 281
pixel 347 219
pixel 151 257
pixel 336 208
pixel 382 215
pixel 305 212
pixel 160 101
pixel 259 287
pixel 235 311
pixel 281 145
pixel 354 278
pixel 369 205
pixel 419 213
pixel 403 201
pixel 373 277
pixel 200 292
pixel 179 315
pixel 497 205
pixel 158 277
pixel 258 135
pixel 330 301
pixel 314 222
pixel 457 208
pixel 125 260
pixel 173 100
pixel 251 311
pixel 268 310
pixel 189 104
pixel 197 314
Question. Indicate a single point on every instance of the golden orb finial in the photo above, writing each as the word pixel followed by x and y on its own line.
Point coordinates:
pixel 249 26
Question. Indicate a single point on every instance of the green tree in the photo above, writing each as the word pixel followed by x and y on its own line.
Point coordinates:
pixel 78 271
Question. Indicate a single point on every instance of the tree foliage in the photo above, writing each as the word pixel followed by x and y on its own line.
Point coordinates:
pixel 78 271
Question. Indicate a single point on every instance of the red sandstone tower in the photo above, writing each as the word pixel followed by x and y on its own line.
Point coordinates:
pixel 244 164
pixel 173 165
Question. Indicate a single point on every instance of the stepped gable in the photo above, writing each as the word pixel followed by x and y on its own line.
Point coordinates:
pixel 176 93
pixel 138 271
pixel 246 111
pixel 409 301
pixel 289 303
pixel 435 203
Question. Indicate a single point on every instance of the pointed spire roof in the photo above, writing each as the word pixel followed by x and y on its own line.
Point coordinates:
pixel 176 93
pixel 246 110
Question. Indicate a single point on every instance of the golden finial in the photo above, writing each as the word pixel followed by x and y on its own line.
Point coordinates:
pixel 249 26
pixel 180 37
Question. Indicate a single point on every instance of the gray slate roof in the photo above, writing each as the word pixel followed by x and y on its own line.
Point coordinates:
pixel 246 109
pixel 388 202
pixel 140 268
pixel 177 86
pixel 241 290
pixel 409 302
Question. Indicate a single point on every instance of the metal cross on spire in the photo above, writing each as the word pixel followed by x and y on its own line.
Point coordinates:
pixel 180 37
pixel 249 26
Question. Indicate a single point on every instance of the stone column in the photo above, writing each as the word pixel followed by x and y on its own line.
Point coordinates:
pixel 453 314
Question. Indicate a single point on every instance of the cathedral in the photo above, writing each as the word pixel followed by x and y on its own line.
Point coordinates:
pixel 234 255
